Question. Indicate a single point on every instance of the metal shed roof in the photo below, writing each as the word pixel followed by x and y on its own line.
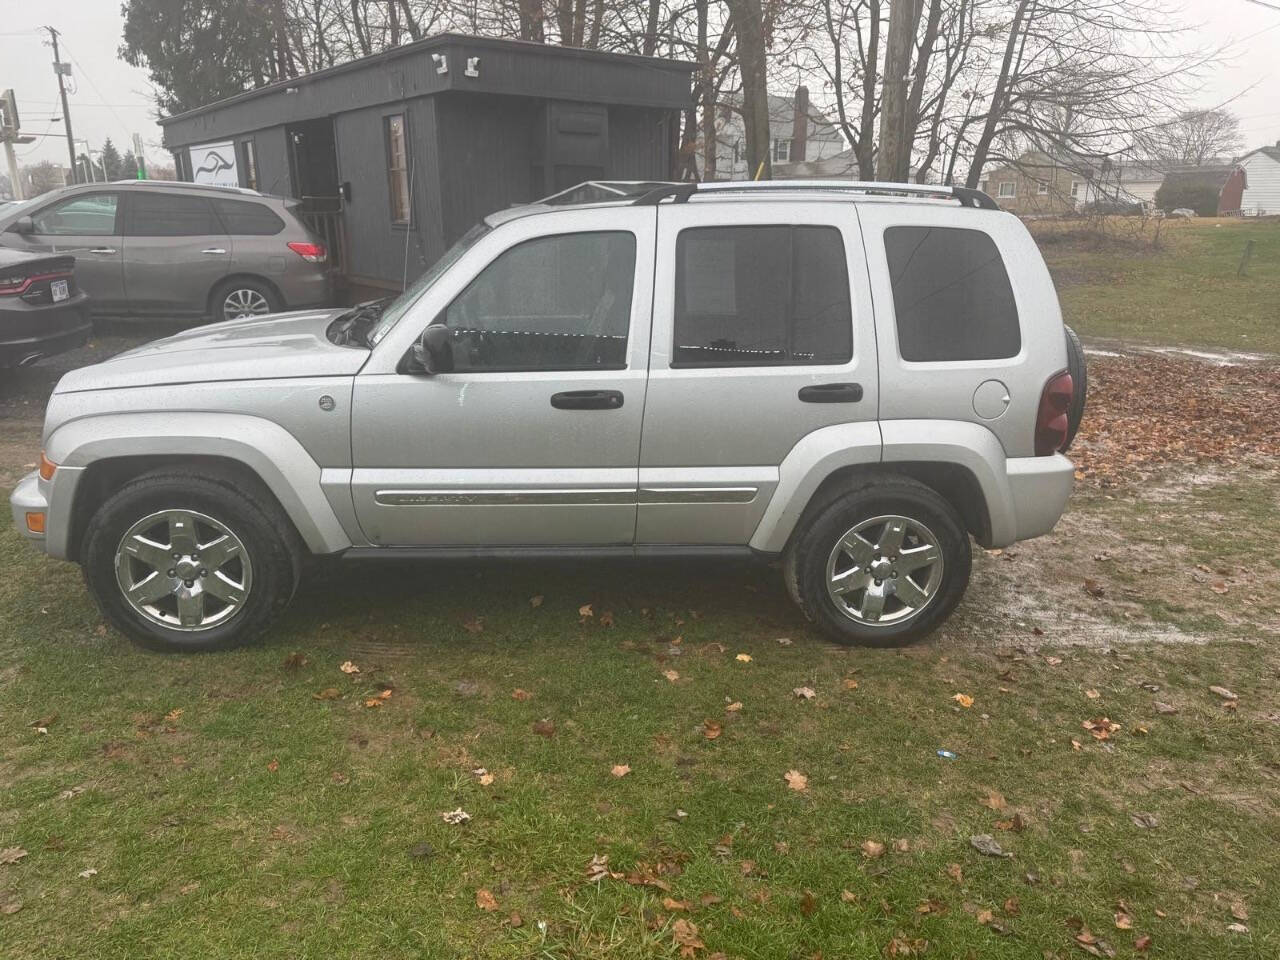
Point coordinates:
pixel 511 67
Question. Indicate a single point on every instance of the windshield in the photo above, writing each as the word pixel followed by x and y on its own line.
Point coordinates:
pixel 398 307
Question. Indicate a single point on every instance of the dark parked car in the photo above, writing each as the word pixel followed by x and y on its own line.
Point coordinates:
pixel 147 248
pixel 42 311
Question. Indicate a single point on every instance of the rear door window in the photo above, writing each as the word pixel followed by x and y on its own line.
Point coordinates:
pixel 247 219
pixel 171 215
pixel 761 295
pixel 951 295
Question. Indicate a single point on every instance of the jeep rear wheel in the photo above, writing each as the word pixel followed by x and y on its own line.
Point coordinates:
pixel 882 564
pixel 186 562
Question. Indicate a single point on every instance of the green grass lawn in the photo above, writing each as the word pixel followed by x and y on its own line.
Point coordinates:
pixel 228 812
pixel 1186 292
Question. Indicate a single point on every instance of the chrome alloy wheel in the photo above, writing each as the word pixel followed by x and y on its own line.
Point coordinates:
pixel 244 302
pixel 183 570
pixel 885 570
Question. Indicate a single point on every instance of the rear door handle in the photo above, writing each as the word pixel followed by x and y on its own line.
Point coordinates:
pixel 213 251
pixel 832 393
pixel 102 250
pixel 587 400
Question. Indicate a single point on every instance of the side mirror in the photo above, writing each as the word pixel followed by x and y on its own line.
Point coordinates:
pixel 24 225
pixel 433 352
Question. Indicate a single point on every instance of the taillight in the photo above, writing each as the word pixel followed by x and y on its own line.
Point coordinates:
pixel 310 252
pixel 1051 418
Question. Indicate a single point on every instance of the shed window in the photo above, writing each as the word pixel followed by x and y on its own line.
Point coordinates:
pixel 398 169
pixel 1008 188
pixel 248 164
pixel 781 151
pixel 1042 188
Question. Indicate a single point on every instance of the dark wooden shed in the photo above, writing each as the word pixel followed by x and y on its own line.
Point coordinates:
pixel 396 155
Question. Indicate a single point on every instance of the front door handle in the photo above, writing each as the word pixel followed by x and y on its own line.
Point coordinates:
pixel 213 251
pixel 587 400
pixel 102 250
pixel 832 393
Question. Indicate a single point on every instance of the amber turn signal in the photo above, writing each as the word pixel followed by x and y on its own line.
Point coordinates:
pixel 35 521
pixel 47 467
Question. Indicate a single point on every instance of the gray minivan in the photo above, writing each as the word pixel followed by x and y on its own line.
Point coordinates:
pixel 147 248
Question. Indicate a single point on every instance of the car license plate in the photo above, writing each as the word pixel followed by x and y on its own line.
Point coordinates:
pixel 60 291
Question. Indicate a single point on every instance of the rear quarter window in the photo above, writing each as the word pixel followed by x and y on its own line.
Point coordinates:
pixel 246 218
pixel 951 295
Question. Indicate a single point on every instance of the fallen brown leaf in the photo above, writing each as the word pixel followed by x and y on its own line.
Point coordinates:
pixel 544 728
pixel 685 934
pixel 328 693
pixel 964 700
pixel 519 694
pixel 796 780
pixel 485 900
pixel 871 849
pixel 620 770
pixel 11 854
pixel 711 729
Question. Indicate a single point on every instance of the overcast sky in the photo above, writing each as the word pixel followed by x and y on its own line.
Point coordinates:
pixel 112 99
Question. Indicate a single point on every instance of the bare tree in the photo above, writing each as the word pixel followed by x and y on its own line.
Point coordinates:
pixel 1194 137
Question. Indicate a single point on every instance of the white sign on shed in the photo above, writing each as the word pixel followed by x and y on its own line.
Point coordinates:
pixel 214 163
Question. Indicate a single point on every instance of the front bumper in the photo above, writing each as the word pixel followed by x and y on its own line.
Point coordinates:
pixel 26 498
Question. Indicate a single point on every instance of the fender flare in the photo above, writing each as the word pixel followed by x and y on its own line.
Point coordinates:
pixel 273 454
pixel 815 457
pixel 820 454
pixel 967 445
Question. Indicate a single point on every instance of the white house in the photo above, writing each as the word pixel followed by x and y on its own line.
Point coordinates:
pixel 1261 181
pixel 791 143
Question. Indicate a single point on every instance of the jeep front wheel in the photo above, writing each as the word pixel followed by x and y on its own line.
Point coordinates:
pixel 187 562
pixel 882 564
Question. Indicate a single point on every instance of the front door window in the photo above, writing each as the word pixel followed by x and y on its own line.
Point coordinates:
pixel 554 303
pixel 89 215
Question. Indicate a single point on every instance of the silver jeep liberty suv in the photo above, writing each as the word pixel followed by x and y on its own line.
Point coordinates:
pixel 852 379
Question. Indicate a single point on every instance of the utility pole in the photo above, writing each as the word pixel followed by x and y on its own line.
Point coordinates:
pixel 894 158
pixel 62 69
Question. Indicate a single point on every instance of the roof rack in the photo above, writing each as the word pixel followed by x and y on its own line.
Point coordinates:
pixel 681 192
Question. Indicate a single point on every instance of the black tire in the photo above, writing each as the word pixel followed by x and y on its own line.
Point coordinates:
pixel 805 563
pixel 247 287
pixel 1079 371
pixel 244 508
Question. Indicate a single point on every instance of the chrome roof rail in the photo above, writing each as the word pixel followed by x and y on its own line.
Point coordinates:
pixel 680 192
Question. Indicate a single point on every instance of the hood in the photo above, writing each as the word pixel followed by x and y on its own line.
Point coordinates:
pixel 256 348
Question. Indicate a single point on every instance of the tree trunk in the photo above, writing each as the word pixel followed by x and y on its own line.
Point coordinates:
pixel 749 26
pixel 867 122
pixel 362 37
pixel 651 29
pixel 410 22
pixel 996 109
pixel 597 23
pixel 531 21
